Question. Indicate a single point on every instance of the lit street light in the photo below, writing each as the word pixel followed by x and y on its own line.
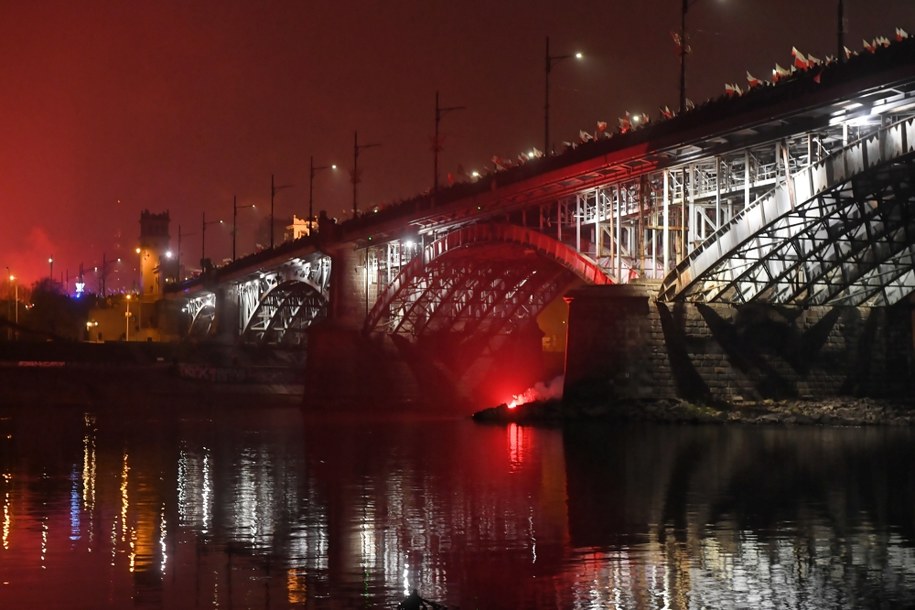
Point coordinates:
pixel 549 61
pixel 356 148
pixel 51 267
pixel 235 208
pixel 312 170
pixel 127 321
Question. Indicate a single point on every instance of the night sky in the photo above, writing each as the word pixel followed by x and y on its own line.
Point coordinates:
pixel 110 108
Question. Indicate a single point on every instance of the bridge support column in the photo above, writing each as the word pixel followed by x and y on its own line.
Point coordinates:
pixel 614 348
pixel 226 314
pixel 348 306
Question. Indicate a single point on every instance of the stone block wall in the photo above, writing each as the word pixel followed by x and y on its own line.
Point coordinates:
pixel 623 344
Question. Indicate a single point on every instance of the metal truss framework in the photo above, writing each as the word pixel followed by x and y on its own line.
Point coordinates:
pixel 314 271
pixel 283 314
pixel 840 232
pixel 202 311
pixel 470 302
pixel 479 279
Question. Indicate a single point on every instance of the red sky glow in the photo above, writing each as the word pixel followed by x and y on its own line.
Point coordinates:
pixel 109 108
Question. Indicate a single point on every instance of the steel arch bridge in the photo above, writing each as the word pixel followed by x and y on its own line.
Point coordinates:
pixel 481 274
pixel 475 289
pixel 796 192
pixel 838 232
pixel 274 304
pixel 284 313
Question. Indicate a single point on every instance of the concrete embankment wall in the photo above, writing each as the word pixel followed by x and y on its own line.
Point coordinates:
pixel 623 344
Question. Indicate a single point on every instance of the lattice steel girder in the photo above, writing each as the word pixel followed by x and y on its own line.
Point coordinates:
pixel 840 245
pixel 470 293
pixel 285 312
pixel 772 239
pixel 463 290
pixel 412 311
pixel 203 312
pixel 400 307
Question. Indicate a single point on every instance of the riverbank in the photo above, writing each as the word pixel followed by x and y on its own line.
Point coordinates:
pixel 832 411
pixel 90 374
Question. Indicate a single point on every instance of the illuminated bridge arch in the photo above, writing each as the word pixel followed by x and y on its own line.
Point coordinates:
pixel 284 313
pixel 839 232
pixel 482 279
pixel 203 316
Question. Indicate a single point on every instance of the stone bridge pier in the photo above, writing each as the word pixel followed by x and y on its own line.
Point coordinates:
pixel 624 344
pixel 345 367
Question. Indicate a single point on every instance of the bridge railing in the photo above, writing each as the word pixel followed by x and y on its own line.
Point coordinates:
pixel 875 149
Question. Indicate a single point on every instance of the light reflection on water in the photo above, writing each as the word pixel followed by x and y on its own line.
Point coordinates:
pixel 265 508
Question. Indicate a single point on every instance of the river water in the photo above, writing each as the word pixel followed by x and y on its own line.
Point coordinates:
pixel 191 507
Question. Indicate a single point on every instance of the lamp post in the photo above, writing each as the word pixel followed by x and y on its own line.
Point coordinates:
pixel 356 148
pixel 178 255
pixel 312 170
pixel 273 190
pixel 9 274
pixel 840 51
pixel 549 60
pixel 436 143
pixel 15 304
pixel 51 268
pixel 235 208
pixel 127 320
pixel 203 236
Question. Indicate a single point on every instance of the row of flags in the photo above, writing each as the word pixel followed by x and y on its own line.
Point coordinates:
pixel 803 62
pixel 800 62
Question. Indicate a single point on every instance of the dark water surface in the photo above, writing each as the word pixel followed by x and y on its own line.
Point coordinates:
pixel 265 508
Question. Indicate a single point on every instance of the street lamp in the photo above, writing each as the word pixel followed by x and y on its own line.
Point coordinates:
pixel 356 148
pixel 15 302
pixel 203 236
pixel 9 332
pixel 235 208
pixel 548 63
pixel 684 49
pixel 273 190
pixel 178 254
pixel 51 267
pixel 127 321
pixel 312 170
pixel 436 143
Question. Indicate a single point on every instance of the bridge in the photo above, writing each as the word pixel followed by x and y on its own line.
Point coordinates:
pixel 795 193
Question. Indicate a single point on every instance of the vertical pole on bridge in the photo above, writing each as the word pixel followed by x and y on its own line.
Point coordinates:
pixel 683 51
pixel 272 195
pixel 840 30
pixel 666 237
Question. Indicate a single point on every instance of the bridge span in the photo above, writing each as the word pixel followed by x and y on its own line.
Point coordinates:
pixel 795 194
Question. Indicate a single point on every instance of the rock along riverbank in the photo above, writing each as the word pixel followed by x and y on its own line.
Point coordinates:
pixel 832 411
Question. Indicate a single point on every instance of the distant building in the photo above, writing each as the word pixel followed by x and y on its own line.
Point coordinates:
pixel 300 227
pixel 155 255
